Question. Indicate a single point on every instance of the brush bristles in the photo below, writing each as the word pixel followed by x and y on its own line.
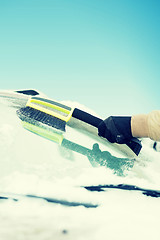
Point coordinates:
pixel 30 115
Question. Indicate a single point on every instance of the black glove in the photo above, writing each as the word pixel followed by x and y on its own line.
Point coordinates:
pixel 116 129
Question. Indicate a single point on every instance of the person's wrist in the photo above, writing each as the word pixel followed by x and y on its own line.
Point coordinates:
pixel 139 125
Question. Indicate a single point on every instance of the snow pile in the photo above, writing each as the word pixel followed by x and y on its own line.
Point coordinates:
pixel 30 164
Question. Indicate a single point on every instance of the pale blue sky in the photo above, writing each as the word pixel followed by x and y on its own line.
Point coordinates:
pixel 104 54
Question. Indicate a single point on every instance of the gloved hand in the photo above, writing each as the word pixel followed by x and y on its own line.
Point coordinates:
pixel 116 129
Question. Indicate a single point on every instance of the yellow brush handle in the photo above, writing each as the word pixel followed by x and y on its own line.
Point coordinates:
pixel 40 105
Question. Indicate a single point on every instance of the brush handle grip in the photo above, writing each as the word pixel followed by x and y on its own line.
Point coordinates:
pixel 86 117
pixel 134 144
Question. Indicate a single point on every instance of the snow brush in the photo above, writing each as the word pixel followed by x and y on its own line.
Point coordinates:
pixel 54 114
